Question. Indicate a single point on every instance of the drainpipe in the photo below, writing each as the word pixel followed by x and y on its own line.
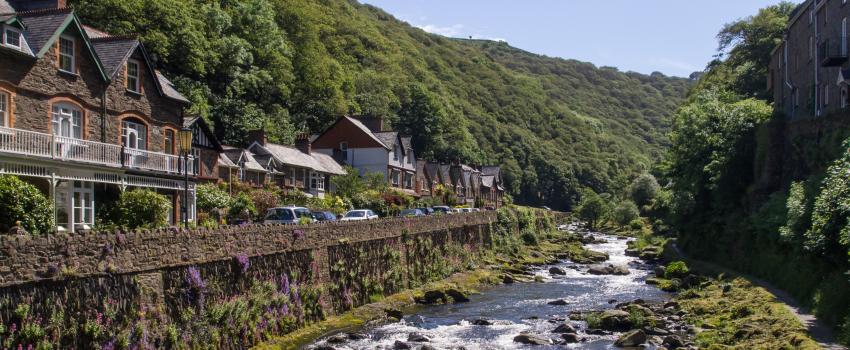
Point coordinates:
pixel 816 48
pixel 103 113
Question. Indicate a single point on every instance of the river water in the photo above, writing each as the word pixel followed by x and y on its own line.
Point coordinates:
pixel 522 307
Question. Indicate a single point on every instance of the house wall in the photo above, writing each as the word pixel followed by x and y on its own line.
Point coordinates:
pixel 370 159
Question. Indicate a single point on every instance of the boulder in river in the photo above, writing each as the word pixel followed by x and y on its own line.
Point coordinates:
pixel 432 297
pixel 631 339
pixel 457 296
pixel 564 328
pixel 608 269
pixel 481 322
pixel 508 279
pixel 531 339
pixel 394 313
pixel 337 339
pixel 324 347
pixel 615 320
pixel 418 338
pixel 672 342
pixel 400 345
pixel 570 338
pixel 557 271
pixel 558 302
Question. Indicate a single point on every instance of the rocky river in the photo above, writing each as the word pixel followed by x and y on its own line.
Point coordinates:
pixel 510 316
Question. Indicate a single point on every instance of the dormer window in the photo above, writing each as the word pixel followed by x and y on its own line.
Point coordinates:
pixel 133 76
pixel 12 38
pixel 67 54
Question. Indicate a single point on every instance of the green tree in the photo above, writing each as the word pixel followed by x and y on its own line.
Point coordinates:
pixel 624 212
pixel 211 198
pixel 644 189
pixel 349 184
pixel 21 201
pixel 592 208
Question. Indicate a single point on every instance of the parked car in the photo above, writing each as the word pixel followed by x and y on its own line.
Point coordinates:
pixel 324 216
pixel 475 210
pixel 441 209
pixel 287 215
pixel 455 211
pixel 359 214
pixel 411 212
pixel 465 210
pixel 427 211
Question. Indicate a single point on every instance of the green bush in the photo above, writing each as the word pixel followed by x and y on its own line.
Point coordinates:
pixel 636 224
pixel 21 201
pixel 625 212
pixel 529 238
pixel 212 198
pixel 644 189
pixel 264 200
pixel 242 207
pixel 140 208
pixel 676 269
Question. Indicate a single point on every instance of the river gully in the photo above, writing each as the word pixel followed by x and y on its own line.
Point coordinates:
pixel 493 319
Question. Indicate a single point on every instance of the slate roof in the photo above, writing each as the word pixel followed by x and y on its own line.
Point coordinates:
pixel 293 156
pixel 487 180
pixel 42 24
pixel 491 170
pixel 5 7
pixel 114 51
pixel 433 170
pixel 168 88
pixel 405 142
pixel 388 138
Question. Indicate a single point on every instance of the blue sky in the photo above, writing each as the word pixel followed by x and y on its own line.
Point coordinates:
pixel 675 37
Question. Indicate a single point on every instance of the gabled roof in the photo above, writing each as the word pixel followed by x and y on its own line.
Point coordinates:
pixel 433 170
pixel 487 180
pixel 5 7
pixel 168 88
pixel 445 173
pixel 243 157
pixel 288 155
pixel 205 128
pixel 114 51
pixel 491 170
pixel 45 26
pixel 388 138
pixel 358 124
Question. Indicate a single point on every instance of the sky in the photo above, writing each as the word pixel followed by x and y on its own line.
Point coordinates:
pixel 675 37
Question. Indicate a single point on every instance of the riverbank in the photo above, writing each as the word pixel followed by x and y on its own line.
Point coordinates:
pixel 727 308
pixel 495 268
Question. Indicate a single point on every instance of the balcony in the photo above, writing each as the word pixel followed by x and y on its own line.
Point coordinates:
pixel 833 52
pixel 47 146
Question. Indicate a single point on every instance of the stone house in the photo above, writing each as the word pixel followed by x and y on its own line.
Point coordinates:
pixel 363 143
pixel 295 168
pixel 491 191
pixel 809 70
pixel 84 114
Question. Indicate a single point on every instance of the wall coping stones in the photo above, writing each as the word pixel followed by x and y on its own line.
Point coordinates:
pixel 26 259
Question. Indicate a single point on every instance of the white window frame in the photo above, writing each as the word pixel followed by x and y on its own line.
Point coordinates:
pixel 5 103
pixel 292 177
pixel 70 116
pixel 317 181
pixel 134 131
pixel 17 32
pixel 136 86
pixel 72 56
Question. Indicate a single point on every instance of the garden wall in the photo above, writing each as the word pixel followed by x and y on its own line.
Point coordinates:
pixel 159 275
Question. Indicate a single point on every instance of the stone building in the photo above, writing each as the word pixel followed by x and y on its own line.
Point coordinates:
pixel 809 71
pixel 84 114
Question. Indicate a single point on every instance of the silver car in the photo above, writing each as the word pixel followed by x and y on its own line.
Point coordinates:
pixel 288 215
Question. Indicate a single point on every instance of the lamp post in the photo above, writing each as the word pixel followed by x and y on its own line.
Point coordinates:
pixel 185 138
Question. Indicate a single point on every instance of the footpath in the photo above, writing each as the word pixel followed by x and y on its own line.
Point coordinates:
pixel 817 330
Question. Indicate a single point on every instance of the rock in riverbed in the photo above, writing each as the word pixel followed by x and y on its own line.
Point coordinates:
pixel 564 328
pixel 457 296
pixel 570 338
pixel 557 271
pixel 558 302
pixel 418 338
pixel 632 338
pixel 531 339
pixel 615 320
pixel 481 322
pixel 609 269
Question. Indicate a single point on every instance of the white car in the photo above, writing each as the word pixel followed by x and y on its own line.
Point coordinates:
pixel 455 211
pixel 288 215
pixel 359 214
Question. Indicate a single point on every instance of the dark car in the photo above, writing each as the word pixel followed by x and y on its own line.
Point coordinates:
pixel 324 216
pixel 411 212
pixel 427 211
pixel 441 209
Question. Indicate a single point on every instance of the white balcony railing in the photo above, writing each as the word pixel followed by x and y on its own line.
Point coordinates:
pixel 49 146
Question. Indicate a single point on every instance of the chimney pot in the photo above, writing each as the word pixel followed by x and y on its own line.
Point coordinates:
pixel 258 135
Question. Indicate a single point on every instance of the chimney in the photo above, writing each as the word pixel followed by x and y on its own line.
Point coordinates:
pixel 302 142
pixel 376 124
pixel 258 135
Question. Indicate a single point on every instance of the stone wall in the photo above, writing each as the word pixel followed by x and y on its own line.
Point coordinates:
pixel 138 268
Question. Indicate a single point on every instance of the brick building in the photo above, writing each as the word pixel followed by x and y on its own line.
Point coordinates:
pixel 84 114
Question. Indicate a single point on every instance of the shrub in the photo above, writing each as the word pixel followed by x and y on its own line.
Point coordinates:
pixel 242 207
pixel 636 224
pixel 625 213
pixel 592 208
pixel 529 238
pixel 676 269
pixel 263 200
pixel 140 208
pixel 644 189
pixel 211 198
pixel 21 201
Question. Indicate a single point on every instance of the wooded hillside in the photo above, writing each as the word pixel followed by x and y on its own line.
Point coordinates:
pixel 554 125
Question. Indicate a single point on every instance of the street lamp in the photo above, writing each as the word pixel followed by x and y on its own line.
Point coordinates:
pixel 185 138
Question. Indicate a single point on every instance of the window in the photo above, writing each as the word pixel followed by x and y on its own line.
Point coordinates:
pixel 395 176
pixel 317 181
pixel 395 153
pixel 409 156
pixel 408 180
pixel 12 37
pixel 134 135
pixel 133 76
pixel 292 177
pixel 811 47
pixel 343 149
pixel 66 54
pixel 67 121
pixel 169 141
pixel 4 109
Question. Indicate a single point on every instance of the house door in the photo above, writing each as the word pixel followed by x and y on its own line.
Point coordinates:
pixel 82 202
pixel 67 127
pixel 133 138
